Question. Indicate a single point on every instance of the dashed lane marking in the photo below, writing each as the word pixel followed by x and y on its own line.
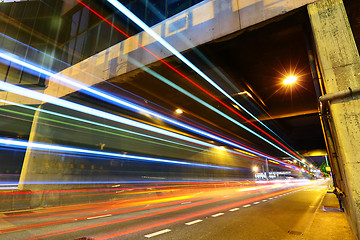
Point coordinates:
pixel 193 222
pixel 101 216
pixel 247 205
pixel 234 209
pixel 256 203
pixel 218 214
pixel 157 233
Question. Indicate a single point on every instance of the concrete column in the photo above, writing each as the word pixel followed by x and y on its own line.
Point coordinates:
pixel 340 66
pixel 28 164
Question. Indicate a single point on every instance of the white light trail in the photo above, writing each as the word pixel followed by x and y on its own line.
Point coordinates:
pixel 131 106
pixel 163 42
pixel 59 148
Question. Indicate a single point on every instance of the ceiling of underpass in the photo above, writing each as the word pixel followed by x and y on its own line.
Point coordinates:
pixel 256 60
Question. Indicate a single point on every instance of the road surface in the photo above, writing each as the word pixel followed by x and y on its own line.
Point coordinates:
pixel 264 211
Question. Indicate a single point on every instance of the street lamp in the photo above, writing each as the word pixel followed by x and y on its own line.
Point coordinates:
pixel 179 111
pixel 290 80
pixel 255 169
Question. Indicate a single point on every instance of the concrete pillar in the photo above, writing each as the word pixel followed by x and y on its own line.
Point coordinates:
pixel 340 66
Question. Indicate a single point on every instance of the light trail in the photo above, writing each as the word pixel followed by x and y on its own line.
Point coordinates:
pixel 191 186
pixel 73 66
pixel 198 214
pixel 112 99
pixel 98 113
pixel 168 82
pixel 94 112
pixel 127 104
pixel 112 205
pixel 116 209
pixel 174 200
pixel 204 150
pixel 152 33
pixel 134 62
pixel 163 42
pixel 211 65
pixel 59 148
pixel 172 188
pixel 173 85
pixel 103 125
pixel 134 107
pixel 172 220
pixel 198 86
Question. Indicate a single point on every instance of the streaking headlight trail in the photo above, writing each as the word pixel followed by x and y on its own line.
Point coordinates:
pixel 98 113
pixel 107 97
pixel 58 148
pixel 163 42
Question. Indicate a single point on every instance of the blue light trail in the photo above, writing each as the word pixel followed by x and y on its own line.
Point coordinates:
pixel 59 148
pixel 99 124
pixel 98 113
pixel 157 76
pixel 163 42
pixel 112 99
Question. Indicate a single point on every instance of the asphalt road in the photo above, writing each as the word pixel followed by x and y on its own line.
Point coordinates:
pixel 275 211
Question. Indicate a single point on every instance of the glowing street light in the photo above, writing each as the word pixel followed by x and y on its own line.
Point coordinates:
pixel 221 147
pixel 255 169
pixel 179 111
pixel 290 80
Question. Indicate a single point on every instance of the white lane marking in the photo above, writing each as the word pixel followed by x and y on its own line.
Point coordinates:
pixel 218 214
pixel 185 202
pixel 101 216
pixel 157 233
pixel 247 205
pixel 234 209
pixel 270 198
pixel 264 200
pixel 276 197
pixel 256 203
pixel 193 222
pixel 226 196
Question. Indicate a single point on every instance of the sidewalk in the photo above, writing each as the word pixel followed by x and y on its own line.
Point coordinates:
pixel 329 222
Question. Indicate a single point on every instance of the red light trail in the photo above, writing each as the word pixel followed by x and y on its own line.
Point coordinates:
pixel 188 79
